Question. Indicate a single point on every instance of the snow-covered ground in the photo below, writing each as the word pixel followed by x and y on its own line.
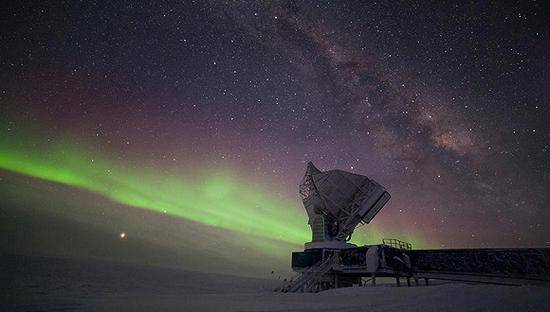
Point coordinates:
pixel 48 284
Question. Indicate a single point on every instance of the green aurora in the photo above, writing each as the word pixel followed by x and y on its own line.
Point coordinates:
pixel 216 198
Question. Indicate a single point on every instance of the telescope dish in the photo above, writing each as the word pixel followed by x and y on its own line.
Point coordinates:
pixel 337 201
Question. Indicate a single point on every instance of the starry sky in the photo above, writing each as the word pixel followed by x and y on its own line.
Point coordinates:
pixel 187 125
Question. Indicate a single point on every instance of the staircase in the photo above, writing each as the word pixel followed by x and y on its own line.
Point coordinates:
pixel 308 280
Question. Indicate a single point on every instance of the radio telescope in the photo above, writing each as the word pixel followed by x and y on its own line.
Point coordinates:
pixel 336 202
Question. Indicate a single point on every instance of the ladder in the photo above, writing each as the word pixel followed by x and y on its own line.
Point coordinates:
pixel 307 280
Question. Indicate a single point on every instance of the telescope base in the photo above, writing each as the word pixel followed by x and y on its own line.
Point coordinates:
pixel 329 245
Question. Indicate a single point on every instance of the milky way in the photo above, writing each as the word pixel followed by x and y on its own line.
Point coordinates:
pixel 149 104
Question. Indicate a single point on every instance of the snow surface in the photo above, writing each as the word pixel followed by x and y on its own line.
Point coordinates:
pixel 48 284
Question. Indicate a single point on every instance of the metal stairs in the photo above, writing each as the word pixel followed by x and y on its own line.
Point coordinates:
pixel 309 280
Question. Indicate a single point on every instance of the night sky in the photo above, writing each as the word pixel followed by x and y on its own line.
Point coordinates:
pixel 187 126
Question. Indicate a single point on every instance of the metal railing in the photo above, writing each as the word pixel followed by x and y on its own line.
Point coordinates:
pixel 307 280
pixel 395 243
